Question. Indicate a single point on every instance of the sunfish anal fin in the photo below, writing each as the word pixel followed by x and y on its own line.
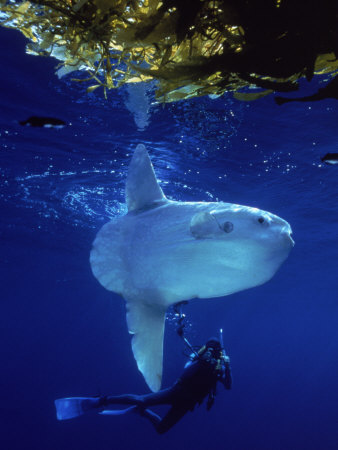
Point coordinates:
pixel 146 324
pixel 142 188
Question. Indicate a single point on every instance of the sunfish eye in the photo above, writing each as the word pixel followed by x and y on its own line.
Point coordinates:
pixel 228 227
pixel 261 220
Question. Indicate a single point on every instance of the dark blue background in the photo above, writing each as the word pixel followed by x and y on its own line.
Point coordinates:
pixel 62 334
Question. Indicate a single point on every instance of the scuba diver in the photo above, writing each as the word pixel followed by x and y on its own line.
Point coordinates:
pixel 206 367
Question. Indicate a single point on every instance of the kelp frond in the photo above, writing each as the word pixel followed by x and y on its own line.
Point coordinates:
pixel 191 47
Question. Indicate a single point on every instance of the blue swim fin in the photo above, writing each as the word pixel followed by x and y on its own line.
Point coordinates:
pixel 68 408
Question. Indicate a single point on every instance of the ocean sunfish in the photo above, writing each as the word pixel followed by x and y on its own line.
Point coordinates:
pixel 163 252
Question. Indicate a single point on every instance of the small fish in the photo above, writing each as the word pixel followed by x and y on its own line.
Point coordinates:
pixel 330 158
pixel 46 122
pixel 328 91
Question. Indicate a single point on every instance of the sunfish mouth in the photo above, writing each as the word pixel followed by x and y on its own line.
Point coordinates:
pixel 287 233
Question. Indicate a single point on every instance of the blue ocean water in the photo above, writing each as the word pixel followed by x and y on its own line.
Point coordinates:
pixel 62 334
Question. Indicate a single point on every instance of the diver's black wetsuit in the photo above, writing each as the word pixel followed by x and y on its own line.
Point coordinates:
pixel 198 380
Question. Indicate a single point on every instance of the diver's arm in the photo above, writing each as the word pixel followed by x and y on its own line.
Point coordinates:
pixel 211 397
pixel 227 378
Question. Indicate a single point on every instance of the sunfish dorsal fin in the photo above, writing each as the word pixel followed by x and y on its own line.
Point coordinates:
pixel 142 188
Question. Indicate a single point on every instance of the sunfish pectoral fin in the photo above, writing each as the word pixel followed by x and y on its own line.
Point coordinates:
pixel 142 188
pixel 146 323
pixel 203 225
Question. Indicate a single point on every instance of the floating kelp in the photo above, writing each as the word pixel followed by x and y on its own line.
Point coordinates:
pixel 191 47
pixel 330 90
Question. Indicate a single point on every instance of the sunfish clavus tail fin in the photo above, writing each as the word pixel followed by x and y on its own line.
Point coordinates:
pixel 146 324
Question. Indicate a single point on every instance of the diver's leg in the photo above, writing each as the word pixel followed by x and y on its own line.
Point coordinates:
pixel 125 399
pixel 156 398
pixel 173 416
pixel 163 397
pixel 169 420
pixel 154 418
